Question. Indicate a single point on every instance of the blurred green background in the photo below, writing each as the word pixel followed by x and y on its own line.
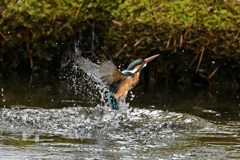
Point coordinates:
pixel 198 41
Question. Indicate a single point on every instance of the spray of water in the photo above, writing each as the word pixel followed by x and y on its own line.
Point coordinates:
pixel 89 82
pixel 131 129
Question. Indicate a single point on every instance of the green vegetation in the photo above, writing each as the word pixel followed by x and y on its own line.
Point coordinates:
pixel 189 33
pixel 186 24
pixel 32 28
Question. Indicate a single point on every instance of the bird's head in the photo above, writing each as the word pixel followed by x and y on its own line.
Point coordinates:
pixel 137 65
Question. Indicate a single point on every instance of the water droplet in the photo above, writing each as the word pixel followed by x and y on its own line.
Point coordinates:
pixel 36 139
pixel 2 89
pixel 213 62
pixel 183 50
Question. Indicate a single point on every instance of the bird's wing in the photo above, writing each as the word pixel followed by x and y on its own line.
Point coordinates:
pixel 109 74
pixel 88 67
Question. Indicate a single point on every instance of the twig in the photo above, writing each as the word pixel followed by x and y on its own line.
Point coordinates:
pixel 138 42
pixel 236 37
pixel 200 59
pixel 187 31
pixel 117 23
pixel 77 13
pixel 181 40
pixel 3 36
pixel 119 52
pixel 210 75
pixel 169 41
pixel 157 38
pixel 152 9
pixel 194 59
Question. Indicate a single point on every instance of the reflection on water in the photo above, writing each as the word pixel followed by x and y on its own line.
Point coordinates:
pixel 50 118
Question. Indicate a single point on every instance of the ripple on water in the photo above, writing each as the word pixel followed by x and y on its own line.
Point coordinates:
pixel 75 122
pixel 126 133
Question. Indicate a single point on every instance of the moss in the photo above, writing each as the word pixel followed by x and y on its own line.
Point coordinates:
pixel 172 25
pixel 124 28
pixel 39 26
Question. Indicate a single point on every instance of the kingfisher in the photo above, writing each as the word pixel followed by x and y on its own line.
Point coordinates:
pixel 119 83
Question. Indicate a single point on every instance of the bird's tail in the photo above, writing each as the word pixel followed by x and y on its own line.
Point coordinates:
pixel 113 102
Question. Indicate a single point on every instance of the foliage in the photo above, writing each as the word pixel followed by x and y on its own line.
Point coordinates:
pixel 32 26
pixel 126 28
pixel 178 25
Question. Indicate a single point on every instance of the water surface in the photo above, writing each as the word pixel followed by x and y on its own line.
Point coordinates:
pixel 46 117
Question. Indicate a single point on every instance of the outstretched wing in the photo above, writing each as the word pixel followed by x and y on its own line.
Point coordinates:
pixel 90 68
pixel 109 74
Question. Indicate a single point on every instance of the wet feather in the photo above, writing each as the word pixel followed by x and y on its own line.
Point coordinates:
pixel 109 74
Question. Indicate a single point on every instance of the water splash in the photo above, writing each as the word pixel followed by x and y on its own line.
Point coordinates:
pixel 81 122
pixel 129 131
pixel 102 133
pixel 89 82
pixel 90 68
pixel 83 76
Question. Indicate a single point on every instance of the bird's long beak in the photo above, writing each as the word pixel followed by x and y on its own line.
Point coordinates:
pixel 149 59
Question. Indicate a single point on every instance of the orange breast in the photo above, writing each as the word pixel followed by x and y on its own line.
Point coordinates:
pixel 127 85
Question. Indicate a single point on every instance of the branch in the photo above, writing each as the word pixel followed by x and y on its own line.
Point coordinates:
pixel 119 52
pixel 3 36
pixel 200 59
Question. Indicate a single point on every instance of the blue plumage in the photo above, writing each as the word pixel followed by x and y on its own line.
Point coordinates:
pixel 126 79
pixel 113 102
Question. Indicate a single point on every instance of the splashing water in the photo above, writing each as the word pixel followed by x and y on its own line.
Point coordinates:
pixel 80 132
pixel 93 85
pixel 91 69
pixel 126 133
pixel 75 122
pixel 88 85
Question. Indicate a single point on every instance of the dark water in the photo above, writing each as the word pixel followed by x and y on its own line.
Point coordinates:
pixel 46 117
